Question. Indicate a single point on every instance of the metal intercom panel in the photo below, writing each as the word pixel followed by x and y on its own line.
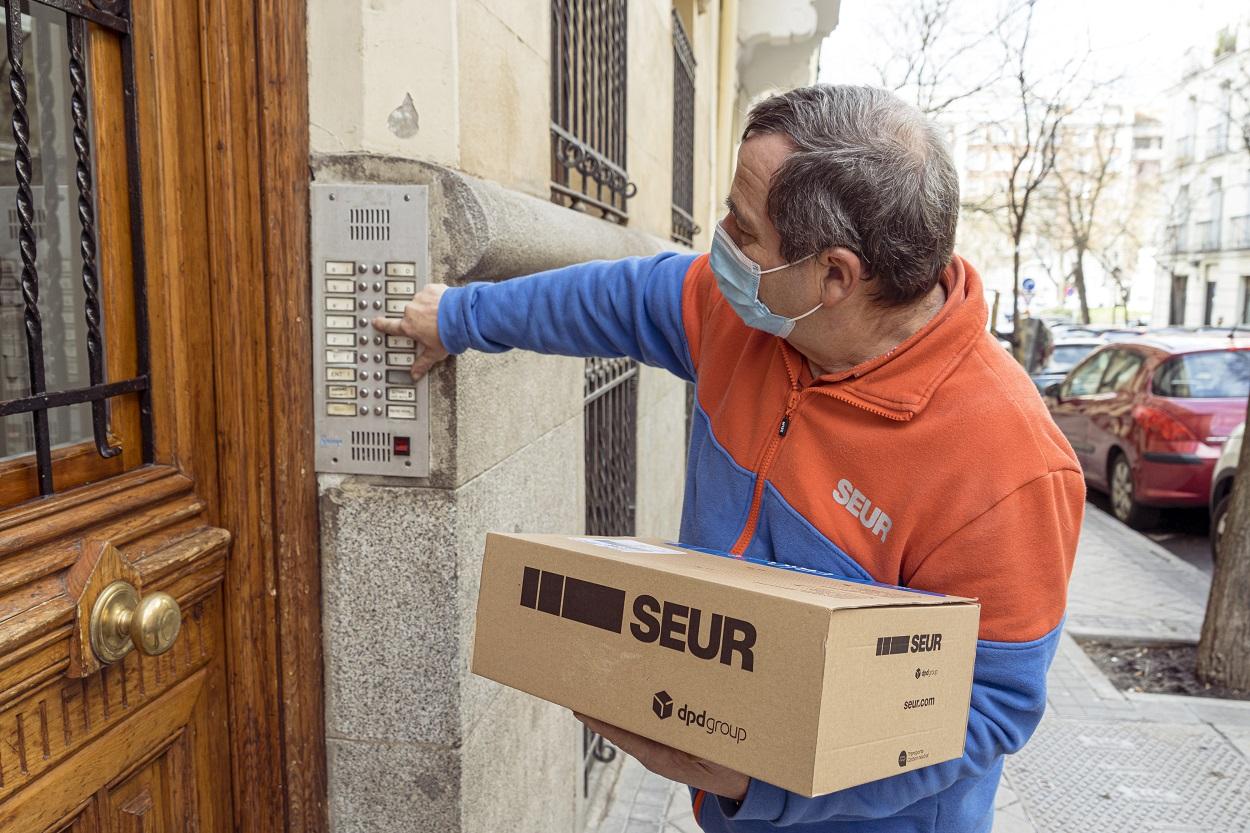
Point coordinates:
pixel 370 254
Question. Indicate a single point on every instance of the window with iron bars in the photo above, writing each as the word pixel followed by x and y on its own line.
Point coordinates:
pixel 588 94
pixel 54 390
pixel 610 421
pixel 684 226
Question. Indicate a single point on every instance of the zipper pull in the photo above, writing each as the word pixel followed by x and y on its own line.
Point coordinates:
pixel 785 418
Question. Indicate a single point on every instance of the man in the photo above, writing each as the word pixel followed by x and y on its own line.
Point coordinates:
pixel 853 415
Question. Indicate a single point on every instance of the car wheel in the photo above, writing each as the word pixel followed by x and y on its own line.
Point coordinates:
pixel 1219 520
pixel 1124 503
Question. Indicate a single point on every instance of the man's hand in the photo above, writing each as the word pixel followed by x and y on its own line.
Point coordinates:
pixel 673 763
pixel 420 323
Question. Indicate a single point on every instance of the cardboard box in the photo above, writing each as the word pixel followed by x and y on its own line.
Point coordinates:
pixel 793 677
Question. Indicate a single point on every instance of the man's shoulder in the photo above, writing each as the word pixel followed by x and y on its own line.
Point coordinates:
pixel 1010 418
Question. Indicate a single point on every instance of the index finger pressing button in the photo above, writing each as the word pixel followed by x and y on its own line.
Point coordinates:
pixel 390 326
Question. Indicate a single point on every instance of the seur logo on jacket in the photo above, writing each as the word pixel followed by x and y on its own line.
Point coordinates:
pixel 858 504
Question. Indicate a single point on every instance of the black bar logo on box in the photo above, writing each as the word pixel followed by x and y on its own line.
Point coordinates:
pixel 591 604
pixel 917 643
pixel 887 645
pixel 677 627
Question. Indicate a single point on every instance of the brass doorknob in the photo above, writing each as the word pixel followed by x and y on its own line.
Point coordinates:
pixel 120 620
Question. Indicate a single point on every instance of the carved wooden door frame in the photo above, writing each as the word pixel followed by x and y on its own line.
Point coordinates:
pixel 232 499
pixel 258 104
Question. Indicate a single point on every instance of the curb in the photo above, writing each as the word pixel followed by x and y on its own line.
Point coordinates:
pixel 1114 527
pixel 1129 637
pixel 1187 699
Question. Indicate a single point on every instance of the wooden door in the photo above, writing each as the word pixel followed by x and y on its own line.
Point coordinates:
pixel 137 440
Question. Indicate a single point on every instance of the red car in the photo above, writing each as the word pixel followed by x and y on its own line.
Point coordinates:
pixel 1147 417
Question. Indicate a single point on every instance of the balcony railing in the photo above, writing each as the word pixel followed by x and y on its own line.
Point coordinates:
pixel 684 226
pixel 1240 232
pixel 1217 139
pixel 588 95
pixel 1177 238
pixel 1208 236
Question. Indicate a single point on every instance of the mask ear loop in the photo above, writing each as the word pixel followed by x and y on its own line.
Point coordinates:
pixel 809 312
pixel 787 265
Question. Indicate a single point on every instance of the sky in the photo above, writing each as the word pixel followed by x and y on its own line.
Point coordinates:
pixel 1142 40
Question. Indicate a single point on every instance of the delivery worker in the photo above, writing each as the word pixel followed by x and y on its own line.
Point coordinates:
pixel 852 414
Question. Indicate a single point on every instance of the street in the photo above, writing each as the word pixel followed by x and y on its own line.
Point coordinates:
pixel 1182 532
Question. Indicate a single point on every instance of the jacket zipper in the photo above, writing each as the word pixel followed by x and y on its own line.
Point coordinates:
pixel 757 496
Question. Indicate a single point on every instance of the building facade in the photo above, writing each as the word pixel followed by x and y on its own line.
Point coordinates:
pixel 1203 277
pixel 1109 150
pixel 206 622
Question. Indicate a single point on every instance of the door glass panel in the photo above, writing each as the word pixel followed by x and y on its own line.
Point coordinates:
pixel 1120 372
pixel 58 257
pixel 1084 380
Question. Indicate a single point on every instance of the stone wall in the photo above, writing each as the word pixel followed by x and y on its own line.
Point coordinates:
pixel 414 741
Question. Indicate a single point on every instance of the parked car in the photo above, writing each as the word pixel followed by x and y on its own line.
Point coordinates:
pixel 1066 331
pixel 1222 487
pixel 1064 355
pixel 1148 418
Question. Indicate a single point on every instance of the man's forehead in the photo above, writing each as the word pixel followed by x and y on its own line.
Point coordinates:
pixel 765 153
pixel 758 160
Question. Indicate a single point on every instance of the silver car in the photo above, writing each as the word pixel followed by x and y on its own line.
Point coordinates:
pixel 1222 487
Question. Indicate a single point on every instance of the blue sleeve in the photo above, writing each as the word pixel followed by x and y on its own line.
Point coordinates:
pixel 1008 698
pixel 610 308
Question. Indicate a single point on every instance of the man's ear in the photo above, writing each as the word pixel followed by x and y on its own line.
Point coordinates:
pixel 844 273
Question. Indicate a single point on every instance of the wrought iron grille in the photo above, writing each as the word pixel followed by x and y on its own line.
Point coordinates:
pixel 611 415
pixel 595 750
pixel 35 227
pixel 588 59
pixel 611 418
pixel 684 226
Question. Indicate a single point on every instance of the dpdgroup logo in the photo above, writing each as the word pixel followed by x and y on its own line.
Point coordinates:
pixel 662 706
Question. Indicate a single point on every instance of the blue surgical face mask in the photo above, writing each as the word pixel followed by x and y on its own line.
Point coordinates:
pixel 739 280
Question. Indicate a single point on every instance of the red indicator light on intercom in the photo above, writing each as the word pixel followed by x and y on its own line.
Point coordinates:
pixel 400 446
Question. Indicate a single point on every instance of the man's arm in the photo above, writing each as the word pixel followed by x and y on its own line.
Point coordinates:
pixel 1019 556
pixel 629 307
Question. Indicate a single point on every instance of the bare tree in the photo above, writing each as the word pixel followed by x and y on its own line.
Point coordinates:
pixel 1224 647
pixel 934 60
pixel 1033 148
pixel 1084 175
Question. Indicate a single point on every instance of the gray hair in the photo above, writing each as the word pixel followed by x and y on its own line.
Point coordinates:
pixel 869 173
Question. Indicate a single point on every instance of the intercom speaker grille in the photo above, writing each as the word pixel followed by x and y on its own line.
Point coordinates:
pixel 371 446
pixel 372 224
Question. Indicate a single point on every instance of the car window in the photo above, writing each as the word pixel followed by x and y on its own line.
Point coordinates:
pixel 1121 371
pixel 1084 380
pixel 1065 357
pixel 1223 374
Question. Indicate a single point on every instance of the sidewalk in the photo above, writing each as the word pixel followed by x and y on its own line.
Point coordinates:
pixel 1102 760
